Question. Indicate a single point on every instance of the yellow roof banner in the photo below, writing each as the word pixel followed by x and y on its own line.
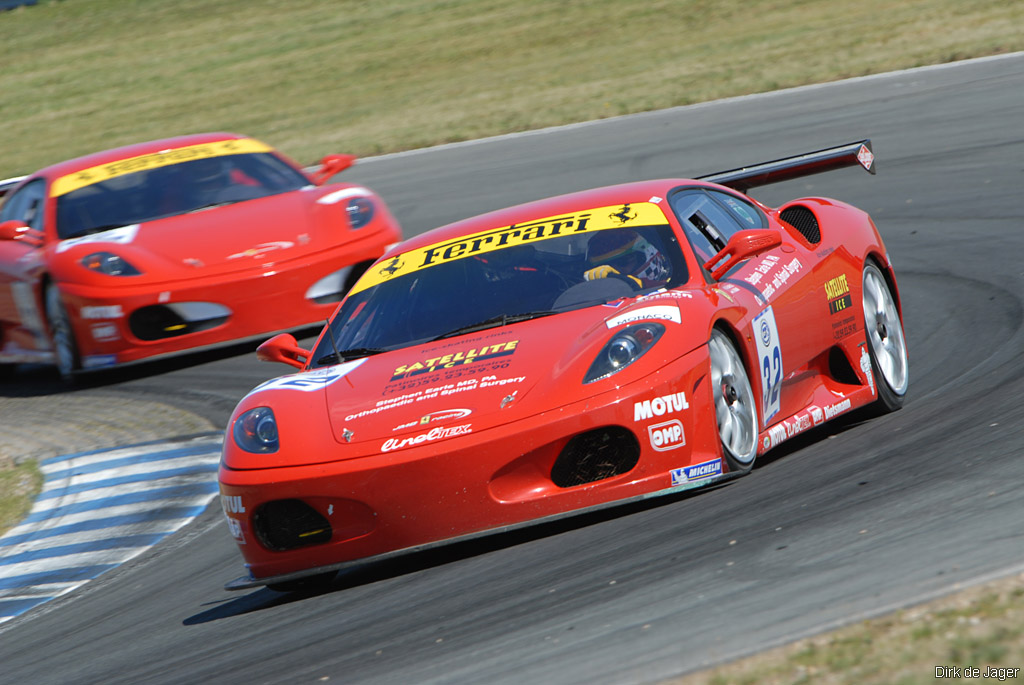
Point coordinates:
pixel 597 219
pixel 104 172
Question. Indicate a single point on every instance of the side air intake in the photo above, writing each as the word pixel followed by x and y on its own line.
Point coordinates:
pixel 803 220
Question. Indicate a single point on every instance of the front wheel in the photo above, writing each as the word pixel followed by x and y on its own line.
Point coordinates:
pixel 735 408
pixel 887 347
pixel 65 348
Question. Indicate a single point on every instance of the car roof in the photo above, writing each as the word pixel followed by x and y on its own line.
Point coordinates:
pixel 106 156
pixel 625 193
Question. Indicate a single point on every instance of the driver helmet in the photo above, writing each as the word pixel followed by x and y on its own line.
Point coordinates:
pixel 630 254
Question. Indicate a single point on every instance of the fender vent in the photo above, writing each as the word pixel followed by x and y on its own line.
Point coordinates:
pixel 596 455
pixel 803 220
pixel 289 523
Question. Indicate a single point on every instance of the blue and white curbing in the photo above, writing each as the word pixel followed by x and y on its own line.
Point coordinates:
pixel 99 509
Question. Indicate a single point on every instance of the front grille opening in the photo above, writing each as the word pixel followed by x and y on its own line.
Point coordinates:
pixel 803 220
pixel 157 322
pixel 596 455
pixel 289 523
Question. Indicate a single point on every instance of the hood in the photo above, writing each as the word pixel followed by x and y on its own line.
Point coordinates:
pixel 468 384
pixel 259 232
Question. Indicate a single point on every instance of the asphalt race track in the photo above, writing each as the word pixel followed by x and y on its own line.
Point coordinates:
pixel 860 520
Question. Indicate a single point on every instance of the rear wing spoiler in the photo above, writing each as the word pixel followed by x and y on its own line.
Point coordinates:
pixel 8 184
pixel 788 168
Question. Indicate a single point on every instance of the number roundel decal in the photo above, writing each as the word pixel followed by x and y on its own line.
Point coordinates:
pixel 770 355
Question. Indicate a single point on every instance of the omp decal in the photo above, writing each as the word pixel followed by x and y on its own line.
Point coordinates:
pixel 310 381
pixel 659 406
pixel 339 195
pixel 448 361
pixel 767 334
pixel 104 172
pixel 111 311
pixel 667 312
pixel 666 436
pixel 439 433
pixel 104 332
pixel 837 291
pixel 597 219
pixel 697 472
pixel 122 235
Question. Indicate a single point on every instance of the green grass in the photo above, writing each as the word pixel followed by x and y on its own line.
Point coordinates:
pixel 369 77
pixel 318 76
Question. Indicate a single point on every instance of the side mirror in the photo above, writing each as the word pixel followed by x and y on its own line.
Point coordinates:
pixel 13 230
pixel 742 245
pixel 331 165
pixel 283 348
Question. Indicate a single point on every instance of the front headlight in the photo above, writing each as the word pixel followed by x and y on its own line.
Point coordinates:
pixel 256 431
pixel 360 211
pixel 625 347
pixel 109 263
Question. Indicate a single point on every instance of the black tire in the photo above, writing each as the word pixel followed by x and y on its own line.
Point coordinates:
pixel 65 347
pixel 735 403
pixel 884 339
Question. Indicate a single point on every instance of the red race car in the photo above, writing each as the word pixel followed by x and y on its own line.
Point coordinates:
pixel 558 356
pixel 174 245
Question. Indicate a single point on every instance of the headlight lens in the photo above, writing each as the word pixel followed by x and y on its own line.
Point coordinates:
pixel 360 212
pixel 256 431
pixel 109 263
pixel 625 347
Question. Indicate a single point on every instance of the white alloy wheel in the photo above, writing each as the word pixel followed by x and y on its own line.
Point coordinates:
pixel 735 407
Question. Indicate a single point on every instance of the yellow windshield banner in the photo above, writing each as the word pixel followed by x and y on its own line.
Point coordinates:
pixel 597 219
pixel 104 172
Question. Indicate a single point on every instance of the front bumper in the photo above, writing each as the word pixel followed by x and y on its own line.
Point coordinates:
pixel 484 482
pixel 116 326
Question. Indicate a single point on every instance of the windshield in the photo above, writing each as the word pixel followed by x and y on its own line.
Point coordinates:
pixel 155 193
pixel 468 285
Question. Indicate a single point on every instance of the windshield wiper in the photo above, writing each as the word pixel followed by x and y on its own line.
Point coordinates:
pixel 494 322
pixel 346 355
pixel 94 229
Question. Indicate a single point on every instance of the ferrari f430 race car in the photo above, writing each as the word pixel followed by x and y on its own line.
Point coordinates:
pixel 559 356
pixel 174 245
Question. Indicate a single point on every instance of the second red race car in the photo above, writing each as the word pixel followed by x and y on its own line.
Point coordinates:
pixel 559 356
pixel 175 245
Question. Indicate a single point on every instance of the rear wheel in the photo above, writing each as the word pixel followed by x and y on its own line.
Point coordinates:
pixel 65 348
pixel 887 347
pixel 735 407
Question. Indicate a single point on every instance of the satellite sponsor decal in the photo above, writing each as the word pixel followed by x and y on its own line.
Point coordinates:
pixel 837 290
pixel 470 355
